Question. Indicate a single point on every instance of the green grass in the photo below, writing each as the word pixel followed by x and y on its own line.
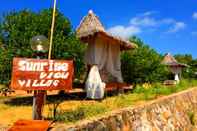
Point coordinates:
pixel 75 110
pixel 81 112
pixel 92 109
pixel 158 89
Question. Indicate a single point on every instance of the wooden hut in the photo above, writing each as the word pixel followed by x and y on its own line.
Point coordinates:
pixel 103 48
pixel 174 66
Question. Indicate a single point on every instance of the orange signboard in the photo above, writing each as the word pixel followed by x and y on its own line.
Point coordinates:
pixel 41 74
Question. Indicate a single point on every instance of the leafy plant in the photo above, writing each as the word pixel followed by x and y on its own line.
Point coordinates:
pixel 142 64
pixel 17 28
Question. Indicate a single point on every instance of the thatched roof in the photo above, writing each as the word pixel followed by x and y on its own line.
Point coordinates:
pixel 91 26
pixel 171 61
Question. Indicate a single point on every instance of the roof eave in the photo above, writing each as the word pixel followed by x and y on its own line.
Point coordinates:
pixel 124 45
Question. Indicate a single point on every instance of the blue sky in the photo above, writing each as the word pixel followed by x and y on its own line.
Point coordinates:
pixel 166 25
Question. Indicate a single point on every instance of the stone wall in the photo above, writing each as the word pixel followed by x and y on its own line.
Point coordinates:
pixel 171 113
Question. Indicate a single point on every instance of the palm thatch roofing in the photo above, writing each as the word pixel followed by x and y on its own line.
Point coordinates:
pixel 91 27
pixel 171 61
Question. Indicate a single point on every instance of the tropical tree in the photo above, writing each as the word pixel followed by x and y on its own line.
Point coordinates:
pixel 142 64
pixel 17 28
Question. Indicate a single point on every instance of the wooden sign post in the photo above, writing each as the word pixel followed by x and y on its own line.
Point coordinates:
pixel 38 104
pixel 41 75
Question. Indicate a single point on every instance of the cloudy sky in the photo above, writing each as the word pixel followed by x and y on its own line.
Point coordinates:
pixel 166 25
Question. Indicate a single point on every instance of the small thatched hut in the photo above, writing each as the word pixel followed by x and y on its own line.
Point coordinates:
pixel 174 66
pixel 103 49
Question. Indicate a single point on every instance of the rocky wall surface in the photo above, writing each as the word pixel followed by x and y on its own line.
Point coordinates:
pixel 177 112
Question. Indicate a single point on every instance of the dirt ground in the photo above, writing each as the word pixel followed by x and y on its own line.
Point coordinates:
pixel 18 105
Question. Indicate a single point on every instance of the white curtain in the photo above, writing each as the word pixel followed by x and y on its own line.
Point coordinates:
pixel 107 57
pixel 176 71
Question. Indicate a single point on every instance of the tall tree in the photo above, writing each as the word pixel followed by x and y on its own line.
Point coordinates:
pixel 142 64
pixel 184 58
pixel 17 28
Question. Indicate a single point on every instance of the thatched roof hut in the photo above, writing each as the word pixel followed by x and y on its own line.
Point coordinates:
pixel 103 49
pixel 174 66
pixel 91 27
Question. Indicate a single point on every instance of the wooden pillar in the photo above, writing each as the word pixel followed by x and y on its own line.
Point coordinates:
pixel 38 104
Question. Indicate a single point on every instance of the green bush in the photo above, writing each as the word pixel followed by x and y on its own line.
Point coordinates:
pixel 161 89
pixel 142 64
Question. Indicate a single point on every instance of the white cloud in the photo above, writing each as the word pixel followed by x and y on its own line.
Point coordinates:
pixel 149 21
pixel 148 13
pixel 177 27
pixel 124 31
pixel 143 21
pixel 194 16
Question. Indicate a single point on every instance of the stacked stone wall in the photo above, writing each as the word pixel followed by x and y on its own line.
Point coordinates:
pixel 177 112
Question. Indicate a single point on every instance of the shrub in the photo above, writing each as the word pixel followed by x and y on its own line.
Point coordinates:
pixel 142 64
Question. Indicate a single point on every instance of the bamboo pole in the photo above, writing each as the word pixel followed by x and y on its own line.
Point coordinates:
pixel 39 97
pixel 52 30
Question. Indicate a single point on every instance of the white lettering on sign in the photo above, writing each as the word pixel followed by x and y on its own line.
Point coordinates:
pixel 31 66
pixel 39 66
pixel 60 75
pixel 53 75
pixel 38 83
pixel 61 67
pixel 49 73
pixel 21 82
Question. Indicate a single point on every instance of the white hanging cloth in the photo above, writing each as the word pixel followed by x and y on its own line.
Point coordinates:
pixel 176 71
pixel 94 86
pixel 106 56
